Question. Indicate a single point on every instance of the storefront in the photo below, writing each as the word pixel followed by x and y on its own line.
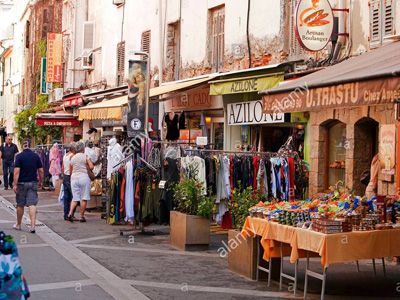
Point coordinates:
pixel 352 119
pixel 190 112
pixel 71 103
pixel 247 127
pixel 67 121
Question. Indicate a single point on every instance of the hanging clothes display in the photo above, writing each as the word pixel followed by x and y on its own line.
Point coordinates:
pixel 114 156
pixel 55 163
pixel 195 167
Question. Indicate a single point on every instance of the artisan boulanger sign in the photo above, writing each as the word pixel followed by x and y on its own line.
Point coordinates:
pixel 246 113
pixel 314 24
pixel 371 92
pixel 246 85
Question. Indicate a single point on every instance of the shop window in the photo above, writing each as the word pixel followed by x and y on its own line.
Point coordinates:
pixel 218 135
pixel 120 63
pixel 217 38
pixel 47 21
pixel 381 20
pixel 337 145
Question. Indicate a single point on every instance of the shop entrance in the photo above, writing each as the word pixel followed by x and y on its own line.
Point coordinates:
pixel 365 147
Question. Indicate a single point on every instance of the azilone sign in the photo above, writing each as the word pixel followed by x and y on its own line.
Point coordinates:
pixel 246 113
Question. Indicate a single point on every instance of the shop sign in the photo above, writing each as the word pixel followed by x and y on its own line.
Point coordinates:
pixel 371 92
pixel 246 113
pixel 194 99
pixel 54 53
pixel 137 95
pixel 43 83
pixel 73 101
pixel 314 24
pixel 247 85
pixel 387 145
pixel 58 122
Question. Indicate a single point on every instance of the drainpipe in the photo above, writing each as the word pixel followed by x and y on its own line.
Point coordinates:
pixel 341 30
pixel 2 67
pixel 247 32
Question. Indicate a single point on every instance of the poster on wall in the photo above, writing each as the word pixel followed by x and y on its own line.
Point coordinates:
pixel 314 24
pixel 387 146
pixel 43 84
pixel 136 97
pixel 54 57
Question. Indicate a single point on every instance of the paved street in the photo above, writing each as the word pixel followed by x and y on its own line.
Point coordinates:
pixel 92 261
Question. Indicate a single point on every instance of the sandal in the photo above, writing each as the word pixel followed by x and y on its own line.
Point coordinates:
pixel 17 227
pixel 71 219
pixel 82 220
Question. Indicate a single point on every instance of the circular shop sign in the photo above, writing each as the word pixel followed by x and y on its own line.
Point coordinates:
pixel 314 24
pixel 136 124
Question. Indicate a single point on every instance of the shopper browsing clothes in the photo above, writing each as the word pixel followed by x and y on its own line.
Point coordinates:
pixel 66 168
pixel 80 181
pixel 27 166
pixel 7 153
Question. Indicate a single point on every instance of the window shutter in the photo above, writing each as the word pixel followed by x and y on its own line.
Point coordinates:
pixel 221 39
pixel 120 63
pixel 375 21
pixel 146 39
pixel 88 35
pixel 45 23
pixel 295 48
pixel 27 34
pixel 388 18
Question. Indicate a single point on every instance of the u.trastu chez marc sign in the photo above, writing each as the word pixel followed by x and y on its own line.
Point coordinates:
pixel 314 24
pixel 246 113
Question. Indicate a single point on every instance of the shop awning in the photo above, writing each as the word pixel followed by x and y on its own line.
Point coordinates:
pixel 179 85
pixel 48 119
pixel 105 110
pixel 249 80
pixel 368 79
pixel 73 100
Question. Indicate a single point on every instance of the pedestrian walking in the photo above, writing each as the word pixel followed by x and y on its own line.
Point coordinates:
pixel 80 181
pixel 8 151
pixel 66 168
pixel 28 168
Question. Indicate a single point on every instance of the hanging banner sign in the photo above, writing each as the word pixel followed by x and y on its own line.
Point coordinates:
pixel 359 93
pixel 314 24
pixel 43 84
pixel 54 57
pixel 246 113
pixel 136 96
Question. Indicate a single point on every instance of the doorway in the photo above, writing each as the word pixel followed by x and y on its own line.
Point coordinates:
pixel 365 147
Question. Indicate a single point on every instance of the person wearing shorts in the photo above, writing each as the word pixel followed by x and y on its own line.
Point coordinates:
pixel 80 181
pixel 27 168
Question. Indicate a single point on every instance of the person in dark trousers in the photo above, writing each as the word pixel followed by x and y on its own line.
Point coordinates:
pixel 67 180
pixel 28 170
pixel 7 153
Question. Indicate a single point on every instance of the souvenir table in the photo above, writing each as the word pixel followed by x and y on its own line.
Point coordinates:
pixel 332 248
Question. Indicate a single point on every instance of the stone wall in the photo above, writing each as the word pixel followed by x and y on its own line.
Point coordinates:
pixel 360 138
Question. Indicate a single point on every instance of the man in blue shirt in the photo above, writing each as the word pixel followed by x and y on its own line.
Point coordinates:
pixel 27 167
pixel 7 153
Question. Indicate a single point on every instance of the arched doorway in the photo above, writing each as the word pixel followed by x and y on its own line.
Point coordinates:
pixel 334 148
pixel 365 147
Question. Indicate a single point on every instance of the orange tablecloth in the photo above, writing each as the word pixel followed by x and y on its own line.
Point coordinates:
pixel 332 248
pixel 270 234
pixel 347 246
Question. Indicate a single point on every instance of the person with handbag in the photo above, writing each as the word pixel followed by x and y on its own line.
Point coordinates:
pixel 81 171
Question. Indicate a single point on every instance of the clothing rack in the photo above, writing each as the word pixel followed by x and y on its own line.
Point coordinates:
pixel 233 152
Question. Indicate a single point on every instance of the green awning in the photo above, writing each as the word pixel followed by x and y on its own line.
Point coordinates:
pixel 245 84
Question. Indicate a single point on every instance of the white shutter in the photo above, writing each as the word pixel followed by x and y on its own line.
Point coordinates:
pixel 88 35
pixel 375 21
pixel 388 18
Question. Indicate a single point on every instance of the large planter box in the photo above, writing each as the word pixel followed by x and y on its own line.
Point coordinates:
pixel 189 230
pixel 242 254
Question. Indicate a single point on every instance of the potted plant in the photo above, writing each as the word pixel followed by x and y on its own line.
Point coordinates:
pixel 190 219
pixel 242 248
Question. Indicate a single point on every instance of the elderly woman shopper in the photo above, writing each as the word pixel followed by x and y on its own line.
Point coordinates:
pixel 80 181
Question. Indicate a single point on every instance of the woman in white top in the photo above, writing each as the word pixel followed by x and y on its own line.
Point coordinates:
pixel 80 181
